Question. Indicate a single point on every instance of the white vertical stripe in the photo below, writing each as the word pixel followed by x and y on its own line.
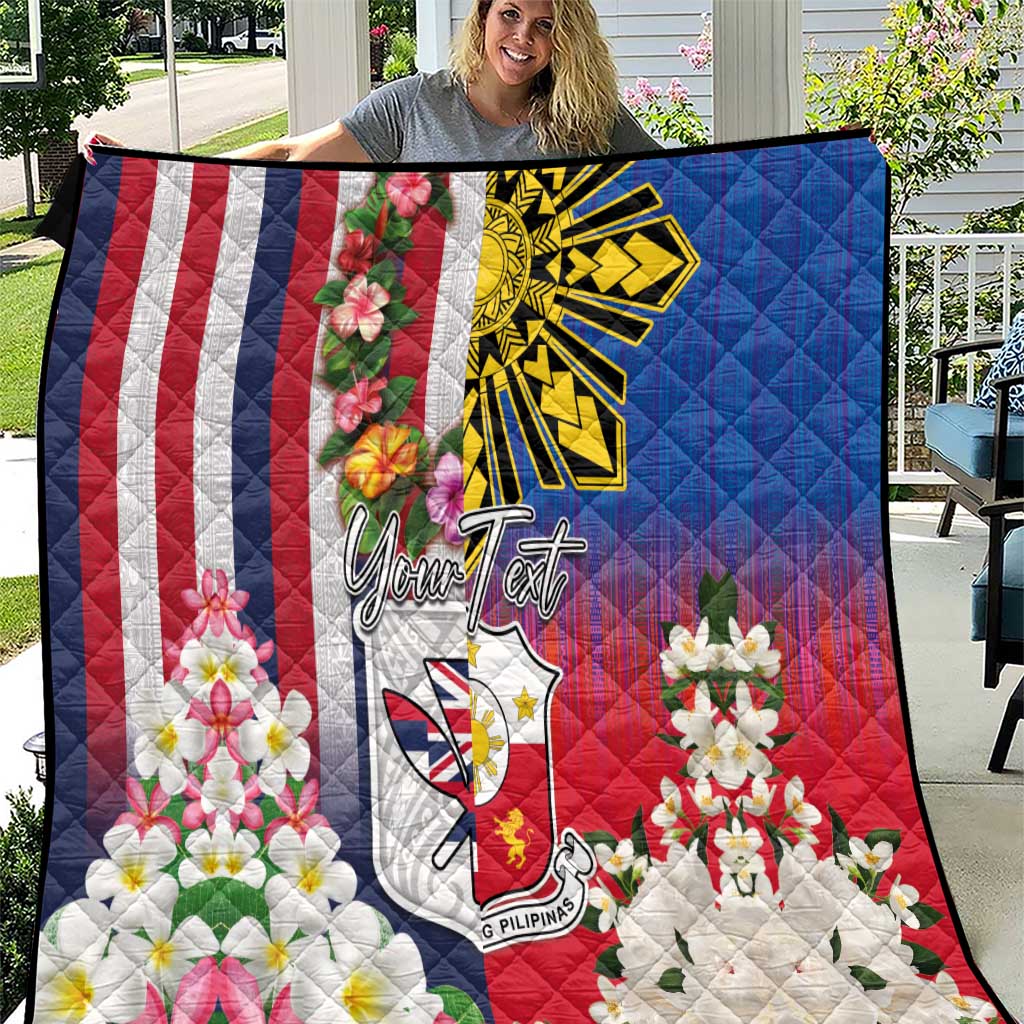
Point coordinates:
pixel 332 607
pixel 136 435
pixel 215 387
pixel 453 315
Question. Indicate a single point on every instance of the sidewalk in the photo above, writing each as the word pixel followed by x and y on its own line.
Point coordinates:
pixel 24 252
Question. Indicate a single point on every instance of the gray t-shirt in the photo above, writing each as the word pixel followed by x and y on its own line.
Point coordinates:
pixel 427 118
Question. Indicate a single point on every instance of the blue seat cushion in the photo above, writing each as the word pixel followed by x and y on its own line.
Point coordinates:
pixel 963 434
pixel 1013 591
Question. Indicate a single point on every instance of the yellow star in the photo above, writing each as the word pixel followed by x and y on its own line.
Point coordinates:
pixel 472 648
pixel 526 705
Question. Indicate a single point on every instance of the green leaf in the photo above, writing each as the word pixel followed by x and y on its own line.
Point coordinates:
pixel 837 945
pixel 420 529
pixel 608 962
pixel 458 1005
pixel 926 915
pixel 371 532
pixel 394 498
pixel 395 397
pixel 384 274
pixel 671 980
pixel 840 837
pixel 451 442
pixel 884 835
pixel 591 916
pixel 683 947
pixel 361 218
pixel 666 630
pixel 372 357
pixel 598 838
pixel 782 739
pixel 925 961
pixel 700 837
pixel 339 376
pixel 675 741
pixel 719 601
pixel 350 497
pixel 639 836
pixel 870 981
pixel 337 446
pixel 397 314
pixel 332 294
pixel 443 204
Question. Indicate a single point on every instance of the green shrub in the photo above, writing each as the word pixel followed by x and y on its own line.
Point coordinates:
pixel 402 60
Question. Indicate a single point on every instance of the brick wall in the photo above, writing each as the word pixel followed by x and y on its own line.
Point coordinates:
pixel 53 162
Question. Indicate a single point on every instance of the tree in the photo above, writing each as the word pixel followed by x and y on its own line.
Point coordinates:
pixel 81 77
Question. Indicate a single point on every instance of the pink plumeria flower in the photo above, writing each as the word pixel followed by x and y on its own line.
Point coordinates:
pixel 215 607
pixel 445 498
pixel 297 812
pixel 222 717
pixel 173 650
pixel 361 310
pixel 145 812
pixel 194 814
pixel 362 399
pixel 264 652
pixel 408 190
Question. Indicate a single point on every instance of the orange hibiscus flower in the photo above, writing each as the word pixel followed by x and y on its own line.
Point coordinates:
pixel 383 453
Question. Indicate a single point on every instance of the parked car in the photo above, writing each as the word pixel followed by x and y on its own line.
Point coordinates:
pixel 266 39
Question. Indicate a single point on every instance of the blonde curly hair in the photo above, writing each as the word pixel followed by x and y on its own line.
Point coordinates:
pixel 575 100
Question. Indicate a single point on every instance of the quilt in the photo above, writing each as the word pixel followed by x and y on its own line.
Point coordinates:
pixel 468 599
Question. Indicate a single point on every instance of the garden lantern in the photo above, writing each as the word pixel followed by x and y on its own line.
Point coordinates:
pixel 36 745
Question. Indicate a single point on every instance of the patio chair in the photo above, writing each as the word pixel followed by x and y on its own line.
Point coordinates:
pixel 998 614
pixel 981 448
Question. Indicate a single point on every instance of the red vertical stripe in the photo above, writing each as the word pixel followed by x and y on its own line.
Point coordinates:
pixel 175 407
pixel 97 491
pixel 289 443
pixel 421 272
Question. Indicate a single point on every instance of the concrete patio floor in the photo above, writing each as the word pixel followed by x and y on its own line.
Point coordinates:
pixel 977 818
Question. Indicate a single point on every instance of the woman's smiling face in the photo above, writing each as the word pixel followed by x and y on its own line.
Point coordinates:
pixel 517 38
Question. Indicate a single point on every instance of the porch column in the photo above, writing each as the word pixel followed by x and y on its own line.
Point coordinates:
pixel 433 34
pixel 328 57
pixel 758 87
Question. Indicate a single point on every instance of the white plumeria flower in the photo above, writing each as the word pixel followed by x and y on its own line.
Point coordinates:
pixel 132 876
pixel 698 722
pixel 737 845
pixel 760 799
pixel 598 896
pixel 166 735
pixel 806 814
pixel 734 756
pixel 222 790
pixel 666 814
pixel 222 855
pixel 875 858
pixel 310 877
pixel 609 1009
pixel 166 958
pixel 901 899
pixel 80 980
pixel 754 723
pixel 271 958
pixel 705 800
pixel 686 652
pixel 273 737
pixel 369 979
pixel 219 657
pixel 617 861
pixel 754 650
pixel 969 1006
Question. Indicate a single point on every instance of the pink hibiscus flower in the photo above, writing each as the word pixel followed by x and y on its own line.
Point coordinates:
pixel 445 498
pixel 222 719
pixel 356 256
pixel 361 310
pixel 362 399
pixel 215 608
pixel 297 812
pixel 408 191
pixel 145 812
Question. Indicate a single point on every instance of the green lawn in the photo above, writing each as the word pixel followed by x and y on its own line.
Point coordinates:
pixel 25 296
pixel 19 615
pixel 16 227
pixel 272 127
pixel 145 74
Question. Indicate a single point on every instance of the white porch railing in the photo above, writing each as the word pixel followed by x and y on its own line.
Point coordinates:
pixel 988 259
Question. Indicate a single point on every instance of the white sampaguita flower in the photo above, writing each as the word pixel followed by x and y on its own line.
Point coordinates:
pixel 754 651
pixel 373 978
pixel 874 858
pixel 806 814
pixel 705 800
pixel 755 723
pixel 271 958
pixel 901 899
pixel 760 799
pixel 132 878
pixel 222 790
pixel 729 755
pixel 617 861
pixel 310 877
pixel 273 737
pixel 166 735
pixel 686 652
pixel 698 723
pixel 165 958
pixel 608 1010
pixel 78 978
pixel 738 845
pixel 223 657
pixel 221 854
pixel 666 814
pixel 968 1006
pixel 608 909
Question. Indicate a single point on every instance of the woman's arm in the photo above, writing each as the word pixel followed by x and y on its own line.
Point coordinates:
pixel 333 143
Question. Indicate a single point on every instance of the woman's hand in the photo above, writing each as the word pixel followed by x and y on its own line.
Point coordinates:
pixel 86 143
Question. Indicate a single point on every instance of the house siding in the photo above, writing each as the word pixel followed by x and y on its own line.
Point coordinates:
pixel 645 36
